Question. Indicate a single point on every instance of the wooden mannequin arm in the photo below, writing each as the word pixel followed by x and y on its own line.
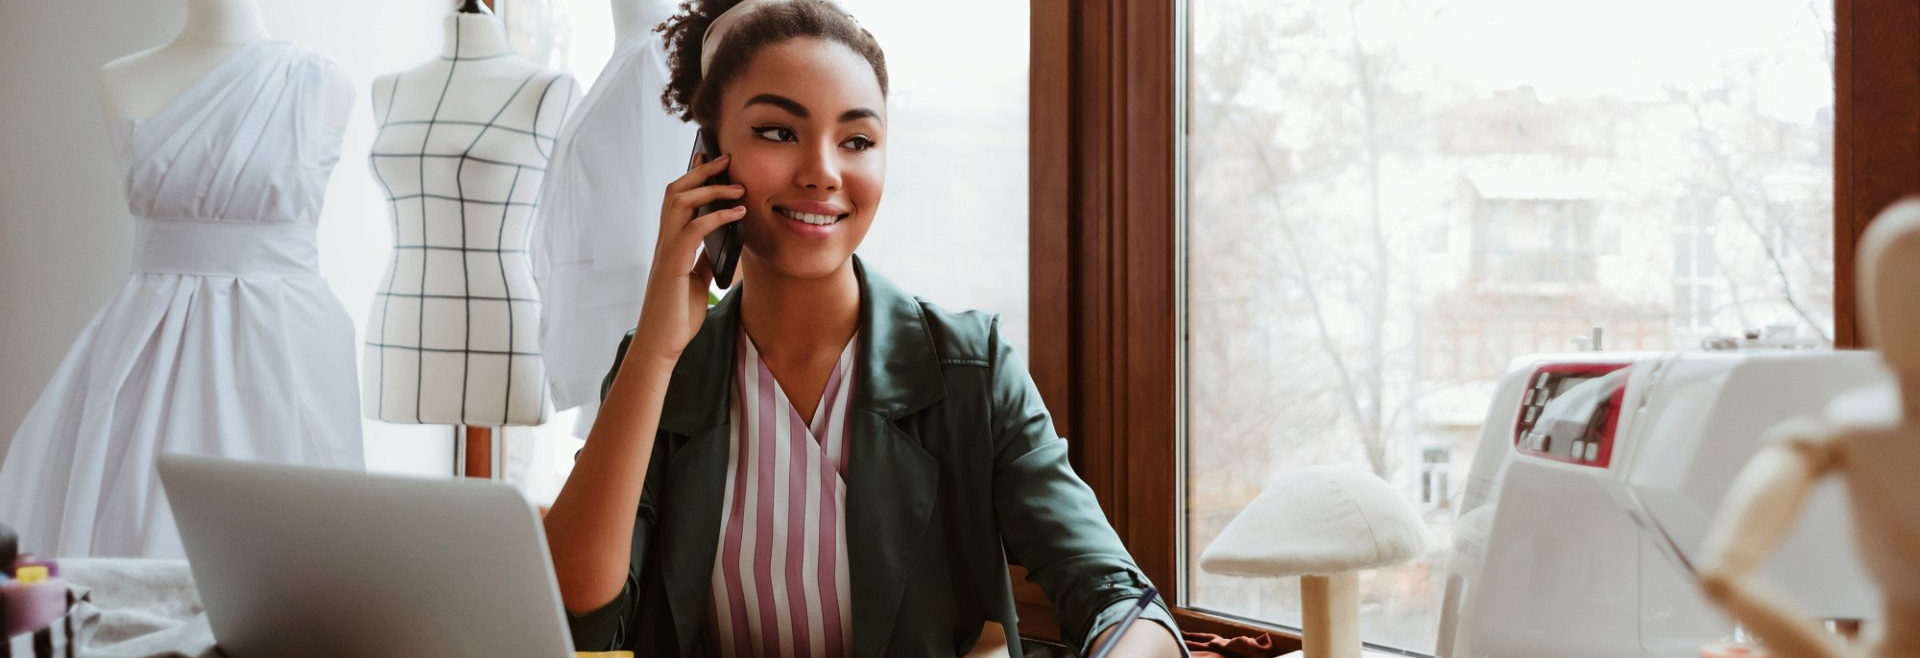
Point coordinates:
pixel 1759 509
pixel 1783 626
pixel 1766 498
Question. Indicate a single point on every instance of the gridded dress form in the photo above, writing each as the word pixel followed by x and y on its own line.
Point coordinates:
pixel 461 150
pixel 224 341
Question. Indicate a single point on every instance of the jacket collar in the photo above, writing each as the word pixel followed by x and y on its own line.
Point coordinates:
pixel 897 373
pixel 892 482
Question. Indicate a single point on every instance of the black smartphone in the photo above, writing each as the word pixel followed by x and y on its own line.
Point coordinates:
pixel 723 245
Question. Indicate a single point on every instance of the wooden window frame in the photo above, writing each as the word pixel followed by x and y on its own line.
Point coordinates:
pixel 1876 141
pixel 1103 202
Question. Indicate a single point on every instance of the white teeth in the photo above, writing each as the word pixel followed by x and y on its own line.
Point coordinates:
pixel 810 218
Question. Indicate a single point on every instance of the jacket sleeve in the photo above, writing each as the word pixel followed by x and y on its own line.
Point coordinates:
pixel 607 627
pixel 1050 521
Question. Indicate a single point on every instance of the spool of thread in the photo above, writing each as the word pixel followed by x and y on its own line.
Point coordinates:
pixel 1732 650
pixel 24 561
pixel 33 601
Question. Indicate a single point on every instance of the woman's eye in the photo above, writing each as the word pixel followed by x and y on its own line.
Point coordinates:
pixel 775 133
pixel 857 143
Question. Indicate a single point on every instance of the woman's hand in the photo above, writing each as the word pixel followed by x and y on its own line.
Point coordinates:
pixel 676 301
pixel 590 528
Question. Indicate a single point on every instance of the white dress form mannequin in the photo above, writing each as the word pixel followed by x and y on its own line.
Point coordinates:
pixel 1870 438
pixel 224 340
pixel 461 151
pixel 138 85
pixel 592 251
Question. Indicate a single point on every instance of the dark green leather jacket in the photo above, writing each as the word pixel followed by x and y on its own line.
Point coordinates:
pixel 954 471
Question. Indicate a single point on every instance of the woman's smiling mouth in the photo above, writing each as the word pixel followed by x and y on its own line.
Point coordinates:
pixel 810 218
pixel 813 213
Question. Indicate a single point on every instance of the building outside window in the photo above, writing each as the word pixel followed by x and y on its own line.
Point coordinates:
pixel 1386 201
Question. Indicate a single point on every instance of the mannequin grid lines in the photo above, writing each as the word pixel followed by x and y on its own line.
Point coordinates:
pixel 462 184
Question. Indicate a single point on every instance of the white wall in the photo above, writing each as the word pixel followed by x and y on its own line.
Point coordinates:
pixel 65 234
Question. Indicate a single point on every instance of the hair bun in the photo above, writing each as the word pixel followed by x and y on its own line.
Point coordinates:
pixel 693 85
pixel 684 34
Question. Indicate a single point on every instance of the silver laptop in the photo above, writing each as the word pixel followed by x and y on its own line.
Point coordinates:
pixel 300 562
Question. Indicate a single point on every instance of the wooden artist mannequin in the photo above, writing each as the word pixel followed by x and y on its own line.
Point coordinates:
pixel 1870 438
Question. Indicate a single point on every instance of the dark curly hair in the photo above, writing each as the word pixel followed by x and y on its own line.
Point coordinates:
pixel 694 95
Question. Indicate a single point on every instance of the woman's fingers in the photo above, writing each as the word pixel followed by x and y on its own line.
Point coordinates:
pixel 698 175
pixel 676 293
pixel 677 220
pixel 710 222
pixel 688 240
pixel 682 204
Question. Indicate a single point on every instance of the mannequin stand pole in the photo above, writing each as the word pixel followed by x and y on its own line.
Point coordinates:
pixel 474 455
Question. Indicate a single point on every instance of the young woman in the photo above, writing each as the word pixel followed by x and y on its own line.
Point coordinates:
pixel 819 465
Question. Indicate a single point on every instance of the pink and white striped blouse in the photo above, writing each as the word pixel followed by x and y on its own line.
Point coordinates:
pixel 780 584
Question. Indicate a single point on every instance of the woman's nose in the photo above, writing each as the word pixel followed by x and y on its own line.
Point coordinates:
pixel 820 171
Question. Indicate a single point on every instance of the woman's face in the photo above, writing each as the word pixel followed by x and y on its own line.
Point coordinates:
pixel 805 123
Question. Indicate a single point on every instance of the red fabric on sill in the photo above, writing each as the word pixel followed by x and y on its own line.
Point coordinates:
pixel 1208 645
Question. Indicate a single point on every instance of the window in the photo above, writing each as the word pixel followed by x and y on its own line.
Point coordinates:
pixel 1529 240
pixel 1435 479
pixel 1325 139
pixel 953 227
pixel 1694 265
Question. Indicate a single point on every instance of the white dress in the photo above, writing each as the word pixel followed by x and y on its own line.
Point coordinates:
pixel 599 216
pixel 224 340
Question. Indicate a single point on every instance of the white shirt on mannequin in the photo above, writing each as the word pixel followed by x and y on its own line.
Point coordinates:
pixel 140 84
pixel 592 246
pixel 637 17
pixel 461 151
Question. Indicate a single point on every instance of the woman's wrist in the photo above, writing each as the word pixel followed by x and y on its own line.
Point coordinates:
pixel 649 366
pixel 653 358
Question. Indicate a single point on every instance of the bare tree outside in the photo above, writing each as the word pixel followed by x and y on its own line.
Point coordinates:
pixel 1388 200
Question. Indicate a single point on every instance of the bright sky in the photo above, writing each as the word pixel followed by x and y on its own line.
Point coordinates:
pixel 1637 48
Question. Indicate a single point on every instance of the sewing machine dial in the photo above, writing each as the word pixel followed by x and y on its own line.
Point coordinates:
pixel 1569 412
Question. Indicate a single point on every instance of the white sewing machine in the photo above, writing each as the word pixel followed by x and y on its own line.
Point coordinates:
pixel 1549 560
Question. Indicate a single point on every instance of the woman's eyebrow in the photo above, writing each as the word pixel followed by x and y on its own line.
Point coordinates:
pixel 791 106
pixel 857 114
pixel 795 108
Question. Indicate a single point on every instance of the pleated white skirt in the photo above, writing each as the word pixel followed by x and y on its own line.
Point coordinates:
pixel 255 367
